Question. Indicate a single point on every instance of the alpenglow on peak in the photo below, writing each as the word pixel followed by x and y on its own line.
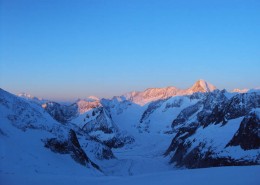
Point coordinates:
pixel 153 94
pixel 202 86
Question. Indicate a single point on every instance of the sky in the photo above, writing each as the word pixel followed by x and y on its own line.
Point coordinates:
pixel 66 49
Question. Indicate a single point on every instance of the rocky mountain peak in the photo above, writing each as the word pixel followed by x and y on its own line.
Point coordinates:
pixel 202 86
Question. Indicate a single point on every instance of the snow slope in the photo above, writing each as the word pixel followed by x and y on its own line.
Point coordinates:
pixel 214 176
pixel 24 129
pixel 23 153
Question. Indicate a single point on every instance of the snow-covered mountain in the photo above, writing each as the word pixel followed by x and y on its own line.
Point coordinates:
pixel 29 136
pixel 217 131
pixel 240 90
pixel 93 118
pixel 139 132
pixel 153 94
pixel 200 86
pixel 65 113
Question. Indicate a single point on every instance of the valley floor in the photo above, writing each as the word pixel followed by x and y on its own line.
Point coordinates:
pixel 144 156
pixel 214 176
pixel 139 163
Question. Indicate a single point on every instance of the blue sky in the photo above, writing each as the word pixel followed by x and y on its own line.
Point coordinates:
pixel 67 49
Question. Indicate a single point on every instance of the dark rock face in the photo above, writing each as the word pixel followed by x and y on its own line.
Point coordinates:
pixel 72 147
pixel 76 151
pixel 57 146
pixel 248 134
pixel 241 105
pixel 199 158
pixel 60 113
pixel 185 114
pixel 213 106
pixel 107 153
pixel 178 141
pixel 119 141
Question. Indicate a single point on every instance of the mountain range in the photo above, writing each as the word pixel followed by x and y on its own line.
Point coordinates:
pixel 139 132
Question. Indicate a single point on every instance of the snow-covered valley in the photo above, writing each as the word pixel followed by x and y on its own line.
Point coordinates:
pixel 214 176
pixel 153 137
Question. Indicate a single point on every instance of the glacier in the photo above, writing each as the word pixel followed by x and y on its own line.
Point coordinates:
pixel 153 136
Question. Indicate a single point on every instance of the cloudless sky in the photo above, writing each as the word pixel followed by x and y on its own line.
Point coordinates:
pixel 67 49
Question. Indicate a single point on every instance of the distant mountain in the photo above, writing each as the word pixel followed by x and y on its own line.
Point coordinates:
pixel 240 90
pixel 87 104
pixel 153 94
pixel 246 90
pixel 200 86
pixel 92 98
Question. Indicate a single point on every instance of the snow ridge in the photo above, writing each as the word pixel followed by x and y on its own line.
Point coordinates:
pixel 153 94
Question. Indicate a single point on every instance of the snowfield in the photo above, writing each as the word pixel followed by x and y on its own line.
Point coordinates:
pixel 213 176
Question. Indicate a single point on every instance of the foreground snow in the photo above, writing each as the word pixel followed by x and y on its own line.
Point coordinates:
pixel 213 176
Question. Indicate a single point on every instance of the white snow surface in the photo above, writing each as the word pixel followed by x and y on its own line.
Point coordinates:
pixel 214 176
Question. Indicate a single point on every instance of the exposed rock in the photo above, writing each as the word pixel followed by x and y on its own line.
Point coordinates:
pixel 240 105
pixel 57 146
pixel 151 108
pixel 186 113
pixel 248 134
pixel 61 113
pixel 177 143
pixel 119 141
pixel 78 153
pixel 102 121
pixel 99 149
pixel 203 159
pixel 64 113
pixel 72 147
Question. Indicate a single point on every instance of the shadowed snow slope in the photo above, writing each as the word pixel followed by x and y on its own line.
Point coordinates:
pixel 212 176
